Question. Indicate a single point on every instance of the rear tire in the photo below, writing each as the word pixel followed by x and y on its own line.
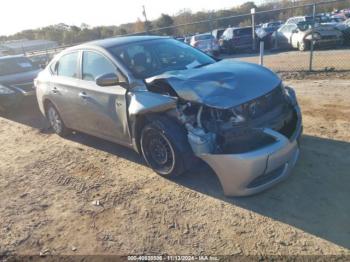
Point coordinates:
pixel 165 147
pixel 56 121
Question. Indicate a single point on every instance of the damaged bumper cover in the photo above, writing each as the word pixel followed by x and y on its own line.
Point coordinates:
pixel 252 172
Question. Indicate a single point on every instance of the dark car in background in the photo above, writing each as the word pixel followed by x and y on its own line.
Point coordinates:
pixel 236 38
pixel 16 80
pixel 265 32
pixel 206 43
pixel 217 33
pixel 40 61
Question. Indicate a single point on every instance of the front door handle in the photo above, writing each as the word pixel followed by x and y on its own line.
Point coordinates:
pixel 55 90
pixel 83 95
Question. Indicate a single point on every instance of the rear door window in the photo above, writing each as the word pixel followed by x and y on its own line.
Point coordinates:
pixel 67 65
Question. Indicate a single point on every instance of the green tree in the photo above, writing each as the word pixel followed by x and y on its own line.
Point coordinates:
pixel 165 21
pixel 139 26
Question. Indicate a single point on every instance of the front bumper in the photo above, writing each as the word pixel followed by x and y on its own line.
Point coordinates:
pixel 252 172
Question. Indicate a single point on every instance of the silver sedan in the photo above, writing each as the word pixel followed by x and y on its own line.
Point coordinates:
pixel 176 105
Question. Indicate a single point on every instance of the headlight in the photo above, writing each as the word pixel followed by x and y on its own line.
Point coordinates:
pixel 5 90
pixel 289 94
pixel 237 115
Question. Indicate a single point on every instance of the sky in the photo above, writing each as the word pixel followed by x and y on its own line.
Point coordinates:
pixel 18 15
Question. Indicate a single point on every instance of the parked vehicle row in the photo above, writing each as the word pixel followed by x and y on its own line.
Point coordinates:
pixel 330 30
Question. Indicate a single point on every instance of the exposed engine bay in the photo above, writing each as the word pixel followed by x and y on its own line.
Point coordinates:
pixel 238 129
pixel 245 128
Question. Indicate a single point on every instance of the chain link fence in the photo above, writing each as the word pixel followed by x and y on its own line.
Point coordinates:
pixel 280 52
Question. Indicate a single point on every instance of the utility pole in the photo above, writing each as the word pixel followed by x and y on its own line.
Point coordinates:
pixel 145 16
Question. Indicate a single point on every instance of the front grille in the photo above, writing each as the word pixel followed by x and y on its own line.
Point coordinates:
pixel 264 104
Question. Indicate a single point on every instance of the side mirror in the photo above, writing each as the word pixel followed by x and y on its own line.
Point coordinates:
pixel 107 80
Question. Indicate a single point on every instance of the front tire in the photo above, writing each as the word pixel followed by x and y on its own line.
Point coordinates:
pixel 165 147
pixel 56 121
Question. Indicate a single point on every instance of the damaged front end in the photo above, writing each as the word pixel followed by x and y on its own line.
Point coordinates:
pixel 251 145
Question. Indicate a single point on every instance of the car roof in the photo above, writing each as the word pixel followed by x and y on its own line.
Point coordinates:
pixel 243 27
pixel 121 40
pixel 203 34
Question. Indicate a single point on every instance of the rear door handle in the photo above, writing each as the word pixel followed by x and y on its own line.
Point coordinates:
pixel 83 95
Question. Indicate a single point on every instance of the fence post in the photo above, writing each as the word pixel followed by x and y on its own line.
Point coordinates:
pixel 252 11
pixel 312 36
pixel 261 53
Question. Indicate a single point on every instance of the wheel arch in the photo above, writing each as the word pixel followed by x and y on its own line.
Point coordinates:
pixel 139 122
pixel 46 103
pixel 175 132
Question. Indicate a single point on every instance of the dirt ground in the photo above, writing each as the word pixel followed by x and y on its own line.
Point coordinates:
pixel 83 195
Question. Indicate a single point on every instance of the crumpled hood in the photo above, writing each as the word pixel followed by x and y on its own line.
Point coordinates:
pixel 222 85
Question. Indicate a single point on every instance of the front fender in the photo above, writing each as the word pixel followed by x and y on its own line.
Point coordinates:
pixel 143 103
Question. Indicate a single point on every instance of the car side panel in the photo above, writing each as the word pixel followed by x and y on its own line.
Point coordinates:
pixel 103 111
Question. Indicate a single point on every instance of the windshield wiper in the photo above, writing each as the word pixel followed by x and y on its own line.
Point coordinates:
pixel 205 64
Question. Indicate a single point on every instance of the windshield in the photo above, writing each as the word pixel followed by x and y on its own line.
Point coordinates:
pixel 15 65
pixel 272 24
pixel 150 58
pixel 203 37
pixel 303 26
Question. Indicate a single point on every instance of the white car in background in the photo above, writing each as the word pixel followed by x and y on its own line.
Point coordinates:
pixel 300 35
pixel 206 43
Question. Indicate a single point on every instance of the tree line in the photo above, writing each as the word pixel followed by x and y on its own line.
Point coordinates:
pixel 71 34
